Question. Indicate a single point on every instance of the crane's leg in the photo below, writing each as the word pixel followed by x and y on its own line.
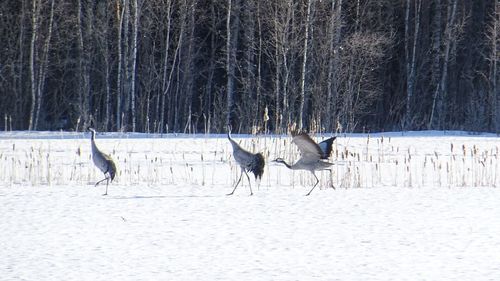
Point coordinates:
pixel 237 183
pixel 107 183
pixel 317 181
pixel 106 178
pixel 251 192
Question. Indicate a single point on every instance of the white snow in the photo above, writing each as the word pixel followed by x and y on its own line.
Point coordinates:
pixel 419 206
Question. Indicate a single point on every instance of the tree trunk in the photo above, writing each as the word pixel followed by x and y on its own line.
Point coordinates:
pixel 165 82
pixel 410 61
pixel 120 14
pixel 34 24
pixel 302 114
pixel 231 46
pixel 249 99
pixel 107 122
pixel 285 73
pixel 277 110
pixel 494 59
pixel 19 83
pixel 208 106
pixel 127 67
pixel 440 92
pixel 436 30
pixel 189 65
pixel 42 72
pixel 83 81
pixel 333 62
pixel 135 31
pixel 174 101
pixel 258 112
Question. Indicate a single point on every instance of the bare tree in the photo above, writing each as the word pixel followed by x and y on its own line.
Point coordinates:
pixel 135 31
pixel 18 78
pixel 127 91
pixel 277 110
pixel 83 63
pixel 440 92
pixel 232 28
pixel 302 108
pixel 258 90
pixel 120 12
pixel 248 104
pixel 284 51
pixel 197 64
pixel 494 58
pixel 188 66
pixel 410 55
pixel 208 107
pixel 35 10
pixel 436 37
pixel 42 71
pixel 333 61
pixel 102 33
pixel 165 82
pixel 361 57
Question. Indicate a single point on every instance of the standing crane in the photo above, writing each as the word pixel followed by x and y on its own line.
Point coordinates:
pixel 103 162
pixel 253 162
pixel 312 155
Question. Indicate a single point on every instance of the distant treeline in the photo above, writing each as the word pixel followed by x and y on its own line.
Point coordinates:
pixel 198 66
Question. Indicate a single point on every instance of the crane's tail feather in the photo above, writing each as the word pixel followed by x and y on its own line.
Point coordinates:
pixel 257 167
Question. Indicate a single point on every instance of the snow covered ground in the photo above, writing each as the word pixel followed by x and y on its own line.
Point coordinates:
pixel 419 206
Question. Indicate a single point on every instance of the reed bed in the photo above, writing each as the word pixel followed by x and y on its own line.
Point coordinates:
pixel 361 162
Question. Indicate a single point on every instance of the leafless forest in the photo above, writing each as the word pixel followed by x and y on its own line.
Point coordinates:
pixel 196 66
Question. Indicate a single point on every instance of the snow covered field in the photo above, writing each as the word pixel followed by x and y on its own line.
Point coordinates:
pixel 423 206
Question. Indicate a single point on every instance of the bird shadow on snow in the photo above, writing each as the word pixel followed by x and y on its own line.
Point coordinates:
pixel 160 196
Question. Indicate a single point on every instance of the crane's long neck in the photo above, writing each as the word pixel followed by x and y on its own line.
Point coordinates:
pixel 92 141
pixel 233 143
pixel 287 165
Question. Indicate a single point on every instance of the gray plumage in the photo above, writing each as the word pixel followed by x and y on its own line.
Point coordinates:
pixel 248 162
pixel 102 161
pixel 312 155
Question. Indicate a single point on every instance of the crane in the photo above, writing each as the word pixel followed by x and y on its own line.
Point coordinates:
pixel 103 162
pixel 252 162
pixel 312 155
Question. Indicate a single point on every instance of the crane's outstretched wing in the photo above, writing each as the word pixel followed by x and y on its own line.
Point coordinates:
pixel 308 148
